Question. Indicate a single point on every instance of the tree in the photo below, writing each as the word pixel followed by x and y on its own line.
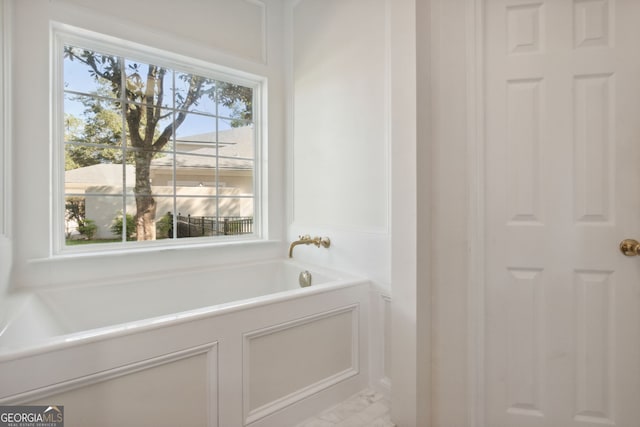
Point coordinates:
pixel 150 127
pixel 102 125
pixel 75 211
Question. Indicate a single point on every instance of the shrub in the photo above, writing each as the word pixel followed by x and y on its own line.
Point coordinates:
pixel 74 214
pixel 116 227
pixel 88 228
pixel 164 226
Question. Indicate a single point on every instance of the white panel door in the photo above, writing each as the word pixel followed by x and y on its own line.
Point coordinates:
pixel 562 144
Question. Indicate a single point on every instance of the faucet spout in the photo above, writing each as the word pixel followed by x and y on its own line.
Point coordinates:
pixel 325 242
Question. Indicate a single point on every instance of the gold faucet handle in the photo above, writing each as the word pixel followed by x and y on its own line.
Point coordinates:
pixel 325 242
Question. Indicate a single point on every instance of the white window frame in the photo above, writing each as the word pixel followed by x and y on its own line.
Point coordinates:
pixel 63 34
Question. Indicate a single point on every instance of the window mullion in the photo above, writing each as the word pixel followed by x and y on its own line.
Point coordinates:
pixel 124 144
pixel 175 159
pixel 217 151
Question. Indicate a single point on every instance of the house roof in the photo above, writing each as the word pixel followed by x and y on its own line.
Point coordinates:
pixel 100 174
pixel 234 148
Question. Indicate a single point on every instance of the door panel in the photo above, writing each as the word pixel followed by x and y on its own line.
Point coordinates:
pixel 562 115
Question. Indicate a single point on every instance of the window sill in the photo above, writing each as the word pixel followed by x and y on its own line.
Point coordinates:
pixel 118 249
pixel 81 268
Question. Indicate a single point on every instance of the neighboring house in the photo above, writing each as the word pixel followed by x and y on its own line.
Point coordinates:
pixel 204 169
pixel 196 167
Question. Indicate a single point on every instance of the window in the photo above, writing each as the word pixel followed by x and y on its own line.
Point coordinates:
pixel 155 149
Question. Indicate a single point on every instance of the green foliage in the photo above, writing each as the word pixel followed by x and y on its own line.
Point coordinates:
pixel 239 99
pixel 164 226
pixel 75 209
pixel 100 124
pixel 117 224
pixel 88 228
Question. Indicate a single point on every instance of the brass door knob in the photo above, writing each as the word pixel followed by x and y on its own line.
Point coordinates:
pixel 630 247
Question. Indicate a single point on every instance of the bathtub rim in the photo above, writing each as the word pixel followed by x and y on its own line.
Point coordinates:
pixel 73 339
pixel 177 272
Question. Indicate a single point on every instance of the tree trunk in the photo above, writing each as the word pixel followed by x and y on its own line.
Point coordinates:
pixel 145 203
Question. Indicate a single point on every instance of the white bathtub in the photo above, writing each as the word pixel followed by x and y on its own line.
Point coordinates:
pixel 223 347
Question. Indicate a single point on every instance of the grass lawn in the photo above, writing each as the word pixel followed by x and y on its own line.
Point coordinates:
pixel 70 242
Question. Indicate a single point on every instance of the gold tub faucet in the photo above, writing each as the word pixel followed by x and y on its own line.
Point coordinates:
pixel 325 242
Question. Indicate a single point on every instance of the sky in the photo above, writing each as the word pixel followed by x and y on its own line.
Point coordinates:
pixel 78 79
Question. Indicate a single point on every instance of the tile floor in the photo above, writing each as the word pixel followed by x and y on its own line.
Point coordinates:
pixel 365 409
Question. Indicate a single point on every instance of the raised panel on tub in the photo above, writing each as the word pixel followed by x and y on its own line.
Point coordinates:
pixel 288 362
pixel 387 340
pixel 171 390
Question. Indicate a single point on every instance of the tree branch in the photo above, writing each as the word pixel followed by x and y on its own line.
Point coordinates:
pixel 195 88
pixel 115 78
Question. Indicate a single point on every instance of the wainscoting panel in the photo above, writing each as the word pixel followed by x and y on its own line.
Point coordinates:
pixel 171 390
pixel 288 362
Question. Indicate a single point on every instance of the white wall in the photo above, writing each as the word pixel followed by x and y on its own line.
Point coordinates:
pixel 245 35
pixel 339 127
pixel 450 201
pixel 340 137
pixel 411 213
pixel 354 172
